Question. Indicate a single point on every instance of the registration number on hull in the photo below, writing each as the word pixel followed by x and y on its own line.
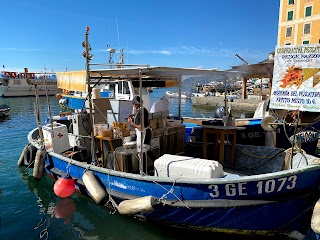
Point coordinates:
pixel 262 187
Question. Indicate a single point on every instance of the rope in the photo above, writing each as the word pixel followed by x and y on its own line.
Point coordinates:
pixel 111 200
pixel 171 191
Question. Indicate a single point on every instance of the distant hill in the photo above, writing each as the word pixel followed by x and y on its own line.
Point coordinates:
pixel 191 82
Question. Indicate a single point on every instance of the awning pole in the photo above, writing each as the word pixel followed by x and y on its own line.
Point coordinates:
pixel 179 103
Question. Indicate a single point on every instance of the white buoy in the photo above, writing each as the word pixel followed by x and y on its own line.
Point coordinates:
pixel 39 164
pixel 266 121
pixel 315 219
pixel 21 158
pixel 138 205
pixel 96 191
pixel 96 93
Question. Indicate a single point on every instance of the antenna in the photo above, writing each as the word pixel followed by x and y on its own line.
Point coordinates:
pixel 118 32
pixel 242 59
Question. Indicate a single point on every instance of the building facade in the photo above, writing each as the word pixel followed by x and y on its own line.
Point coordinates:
pixel 299 22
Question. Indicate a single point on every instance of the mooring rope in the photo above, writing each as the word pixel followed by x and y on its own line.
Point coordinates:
pixel 171 191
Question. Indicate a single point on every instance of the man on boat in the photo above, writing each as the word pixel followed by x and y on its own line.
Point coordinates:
pixel 135 121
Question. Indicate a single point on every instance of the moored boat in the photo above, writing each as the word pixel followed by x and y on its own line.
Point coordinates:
pixel 244 189
pixel 15 84
pixel 183 95
pixel 4 110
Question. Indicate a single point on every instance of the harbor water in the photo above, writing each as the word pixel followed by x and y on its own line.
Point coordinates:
pixel 31 210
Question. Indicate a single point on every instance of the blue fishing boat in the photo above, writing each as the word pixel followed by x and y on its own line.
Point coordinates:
pixel 246 189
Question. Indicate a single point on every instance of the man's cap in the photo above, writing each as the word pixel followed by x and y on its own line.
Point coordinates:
pixel 136 100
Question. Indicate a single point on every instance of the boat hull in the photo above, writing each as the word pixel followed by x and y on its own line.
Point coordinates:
pixel 260 204
pixel 19 87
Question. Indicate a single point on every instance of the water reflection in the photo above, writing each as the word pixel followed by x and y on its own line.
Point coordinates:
pixel 64 209
pixel 78 217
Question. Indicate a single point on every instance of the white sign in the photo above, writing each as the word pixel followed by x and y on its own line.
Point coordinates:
pixel 296 77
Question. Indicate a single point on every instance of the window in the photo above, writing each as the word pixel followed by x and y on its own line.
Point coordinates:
pixel 16 82
pixel 126 88
pixel 289 32
pixel 288 43
pixel 120 87
pixel 305 42
pixel 291 2
pixel 306 28
pixel 290 16
pixel 308 11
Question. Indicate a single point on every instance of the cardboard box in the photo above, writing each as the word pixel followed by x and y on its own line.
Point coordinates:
pixel 125 132
pixel 102 130
pixel 153 123
pixel 162 122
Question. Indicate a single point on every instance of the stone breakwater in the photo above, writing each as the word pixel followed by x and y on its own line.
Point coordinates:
pixel 237 104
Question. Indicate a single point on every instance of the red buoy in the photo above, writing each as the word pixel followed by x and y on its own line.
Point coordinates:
pixel 64 186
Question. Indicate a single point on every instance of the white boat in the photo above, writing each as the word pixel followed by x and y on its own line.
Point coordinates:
pixel 198 94
pixel 15 84
pixel 171 94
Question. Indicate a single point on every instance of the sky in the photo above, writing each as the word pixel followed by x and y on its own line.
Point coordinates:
pixel 47 35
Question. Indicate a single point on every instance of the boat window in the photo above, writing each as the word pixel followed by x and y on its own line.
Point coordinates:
pixel 120 87
pixel 123 88
pixel 16 82
pixel 111 86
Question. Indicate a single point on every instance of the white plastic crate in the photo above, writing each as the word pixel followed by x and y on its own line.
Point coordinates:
pixel 56 137
pixel 187 167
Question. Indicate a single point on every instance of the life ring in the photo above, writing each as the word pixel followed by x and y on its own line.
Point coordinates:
pixel 21 75
pixel 31 75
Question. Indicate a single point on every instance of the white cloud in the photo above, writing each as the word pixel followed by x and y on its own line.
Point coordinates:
pixel 19 49
pixel 195 51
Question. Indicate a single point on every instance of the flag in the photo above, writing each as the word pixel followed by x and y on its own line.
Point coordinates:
pixel 3 66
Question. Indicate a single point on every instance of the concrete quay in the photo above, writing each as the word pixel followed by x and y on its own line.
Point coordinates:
pixel 248 105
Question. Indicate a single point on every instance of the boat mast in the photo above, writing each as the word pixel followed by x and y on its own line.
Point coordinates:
pixel 88 58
